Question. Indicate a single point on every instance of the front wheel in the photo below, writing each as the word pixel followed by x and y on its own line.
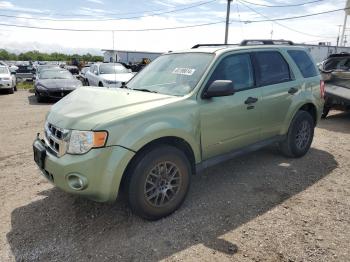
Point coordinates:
pixel 300 135
pixel 158 183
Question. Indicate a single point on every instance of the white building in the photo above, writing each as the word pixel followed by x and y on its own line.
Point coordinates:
pixel 127 56
pixel 321 52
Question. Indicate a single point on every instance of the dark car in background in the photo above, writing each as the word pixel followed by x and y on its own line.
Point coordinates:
pixel 54 84
pixel 335 71
pixel 25 72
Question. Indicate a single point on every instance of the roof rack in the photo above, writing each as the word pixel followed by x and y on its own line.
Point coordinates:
pixel 200 45
pixel 266 42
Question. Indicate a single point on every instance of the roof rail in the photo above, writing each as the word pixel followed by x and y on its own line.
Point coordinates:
pixel 266 42
pixel 200 45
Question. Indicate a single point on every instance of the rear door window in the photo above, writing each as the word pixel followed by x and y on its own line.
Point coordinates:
pixel 304 63
pixel 272 68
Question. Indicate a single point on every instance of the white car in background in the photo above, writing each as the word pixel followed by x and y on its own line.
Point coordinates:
pixel 108 75
pixel 7 80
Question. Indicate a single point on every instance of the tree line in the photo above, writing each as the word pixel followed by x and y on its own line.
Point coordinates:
pixel 39 56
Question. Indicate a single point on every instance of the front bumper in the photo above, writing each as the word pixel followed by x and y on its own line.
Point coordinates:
pixel 100 170
pixel 54 94
pixel 5 84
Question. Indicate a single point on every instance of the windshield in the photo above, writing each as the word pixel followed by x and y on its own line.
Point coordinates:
pixel 342 63
pixel 113 69
pixel 41 68
pixel 53 74
pixel 172 74
pixel 3 70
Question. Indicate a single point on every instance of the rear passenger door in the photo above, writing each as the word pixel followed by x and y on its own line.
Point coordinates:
pixel 278 87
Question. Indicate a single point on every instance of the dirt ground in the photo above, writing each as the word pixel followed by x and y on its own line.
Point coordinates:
pixel 259 207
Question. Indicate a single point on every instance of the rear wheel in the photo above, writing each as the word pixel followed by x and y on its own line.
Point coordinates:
pixel 158 182
pixel 87 82
pixel 100 84
pixel 15 88
pixel 300 135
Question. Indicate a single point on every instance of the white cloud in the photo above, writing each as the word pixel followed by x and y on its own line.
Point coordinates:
pixel 100 2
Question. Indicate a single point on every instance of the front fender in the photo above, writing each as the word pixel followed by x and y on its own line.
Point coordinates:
pixel 146 132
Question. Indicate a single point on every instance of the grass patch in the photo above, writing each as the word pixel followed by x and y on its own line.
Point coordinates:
pixel 25 85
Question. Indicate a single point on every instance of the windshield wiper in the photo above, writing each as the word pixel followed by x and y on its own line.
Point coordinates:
pixel 144 90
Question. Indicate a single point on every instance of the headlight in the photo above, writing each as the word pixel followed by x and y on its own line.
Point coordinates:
pixel 80 142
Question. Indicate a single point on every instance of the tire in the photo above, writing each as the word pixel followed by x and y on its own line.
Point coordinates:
pixel 299 136
pixel 15 88
pixel 11 90
pixel 147 179
pixel 325 112
pixel 39 98
pixel 100 84
pixel 87 82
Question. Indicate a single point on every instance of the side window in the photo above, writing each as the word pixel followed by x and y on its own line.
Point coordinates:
pixel 272 68
pixel 304 63
pixel 237 68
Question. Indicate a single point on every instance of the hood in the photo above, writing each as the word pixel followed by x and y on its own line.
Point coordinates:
pixel 117 77
pixel 88 107
pixel 67 84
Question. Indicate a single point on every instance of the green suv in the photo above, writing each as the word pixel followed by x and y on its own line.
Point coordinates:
pixel 184 112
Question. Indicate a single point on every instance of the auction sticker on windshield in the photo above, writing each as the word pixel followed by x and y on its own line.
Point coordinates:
pixel 184 71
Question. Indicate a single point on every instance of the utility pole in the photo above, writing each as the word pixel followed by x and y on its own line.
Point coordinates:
pixel 338 38
pixel 347 12
pixel 227 19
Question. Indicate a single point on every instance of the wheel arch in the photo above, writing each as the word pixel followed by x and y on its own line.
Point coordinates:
pixel 308 107
pixel 174 141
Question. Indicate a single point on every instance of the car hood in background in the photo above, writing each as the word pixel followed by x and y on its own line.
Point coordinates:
pixel 117 77
pixel 87 108
pixel 67 84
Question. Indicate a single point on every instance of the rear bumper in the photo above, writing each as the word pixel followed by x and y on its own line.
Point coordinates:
pixel 337 96
pixel 101 171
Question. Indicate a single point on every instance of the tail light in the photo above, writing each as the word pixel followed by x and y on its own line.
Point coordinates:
pixel 322 88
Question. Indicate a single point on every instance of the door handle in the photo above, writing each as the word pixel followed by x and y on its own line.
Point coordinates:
pixel 251 100
pixel 293 90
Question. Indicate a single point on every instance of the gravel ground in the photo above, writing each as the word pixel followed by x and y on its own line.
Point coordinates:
pixel 259 207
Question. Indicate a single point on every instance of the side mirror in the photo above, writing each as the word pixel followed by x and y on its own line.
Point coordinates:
pixel 219 88
pixel 129 70
pixel 96 72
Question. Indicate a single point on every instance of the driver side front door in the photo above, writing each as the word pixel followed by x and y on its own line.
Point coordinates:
pixel 231 122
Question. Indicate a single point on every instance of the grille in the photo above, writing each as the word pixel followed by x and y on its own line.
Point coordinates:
pixel 60 93
pixel 55 139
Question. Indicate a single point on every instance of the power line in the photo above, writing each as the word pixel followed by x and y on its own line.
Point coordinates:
pixel 288 18
pixel 110 19
pixel 291 17
pixel 109 30
pixel 291 5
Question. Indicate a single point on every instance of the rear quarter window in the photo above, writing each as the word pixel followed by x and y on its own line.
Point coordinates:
pixel 304 63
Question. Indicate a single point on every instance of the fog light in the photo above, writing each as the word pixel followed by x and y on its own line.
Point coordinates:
pixel 76 182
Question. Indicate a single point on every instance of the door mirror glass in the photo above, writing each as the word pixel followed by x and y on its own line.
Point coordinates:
pixel 219 88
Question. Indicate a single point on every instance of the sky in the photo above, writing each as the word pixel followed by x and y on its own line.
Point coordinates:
pixel 117 15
